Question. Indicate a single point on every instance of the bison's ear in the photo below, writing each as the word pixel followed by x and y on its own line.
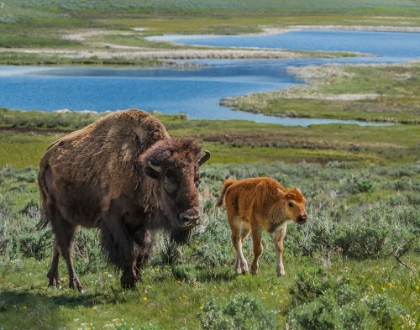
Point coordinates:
pixel 204 158
pixel 297 190
pixel 281 193
pixel 152 170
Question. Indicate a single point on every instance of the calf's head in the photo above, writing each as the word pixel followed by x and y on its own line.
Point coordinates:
pixel 294 204
pixel 174 165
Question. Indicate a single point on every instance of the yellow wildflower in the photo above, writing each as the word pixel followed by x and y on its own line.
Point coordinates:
pixel 144 298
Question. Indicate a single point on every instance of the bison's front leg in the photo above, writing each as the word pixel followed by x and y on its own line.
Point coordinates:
pixel 129 277
pixel 278 238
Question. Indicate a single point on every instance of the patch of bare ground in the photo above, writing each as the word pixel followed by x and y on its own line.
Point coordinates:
pixel 379 28
pixel 165 54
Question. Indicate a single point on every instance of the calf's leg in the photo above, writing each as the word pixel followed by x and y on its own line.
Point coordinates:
pixel 257 248
pixel 241 266
pixel 278 238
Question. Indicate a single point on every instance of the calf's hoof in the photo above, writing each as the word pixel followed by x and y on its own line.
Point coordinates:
pixel 280 271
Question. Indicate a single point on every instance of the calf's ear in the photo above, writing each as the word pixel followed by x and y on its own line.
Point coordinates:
pixel 281 193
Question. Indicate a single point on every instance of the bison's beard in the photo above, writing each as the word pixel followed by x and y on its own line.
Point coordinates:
pixel 180 236
pixel 177 235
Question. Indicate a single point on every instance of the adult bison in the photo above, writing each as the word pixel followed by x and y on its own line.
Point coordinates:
pixel 126 176
pixel 258 204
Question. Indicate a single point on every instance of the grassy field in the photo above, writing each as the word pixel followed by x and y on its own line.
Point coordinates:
pixel 26 134
pixel 51 25
pixel 354 265
pixel 355 262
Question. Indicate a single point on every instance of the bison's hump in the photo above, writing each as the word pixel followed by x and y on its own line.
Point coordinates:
pixel 105 154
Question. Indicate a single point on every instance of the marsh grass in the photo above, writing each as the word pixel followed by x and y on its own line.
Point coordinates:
pixel 23 58
pixel 26 135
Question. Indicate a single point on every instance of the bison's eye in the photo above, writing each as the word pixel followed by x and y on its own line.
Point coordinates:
pixel 290 204
pixel 170 184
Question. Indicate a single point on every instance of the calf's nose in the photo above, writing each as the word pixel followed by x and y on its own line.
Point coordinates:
pixel 302 219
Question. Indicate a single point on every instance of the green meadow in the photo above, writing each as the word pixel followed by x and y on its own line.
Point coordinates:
pixel 354 265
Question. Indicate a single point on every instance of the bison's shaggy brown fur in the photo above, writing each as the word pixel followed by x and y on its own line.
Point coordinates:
pixel 126 176
pixel 260 204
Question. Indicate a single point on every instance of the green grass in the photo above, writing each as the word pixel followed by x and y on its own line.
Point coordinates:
pixel 166 6
pixel 28 134
pixel 171 304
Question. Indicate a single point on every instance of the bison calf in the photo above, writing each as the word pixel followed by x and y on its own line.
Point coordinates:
pixel 258 204
pixel 126 176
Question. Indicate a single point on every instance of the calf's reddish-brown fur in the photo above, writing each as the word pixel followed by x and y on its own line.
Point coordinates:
pixel 260 204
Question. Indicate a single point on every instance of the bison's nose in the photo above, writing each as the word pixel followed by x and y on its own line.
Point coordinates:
pixel 301 219
pixel 190 217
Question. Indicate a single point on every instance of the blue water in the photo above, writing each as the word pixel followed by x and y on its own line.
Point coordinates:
pixel 389 44
pixel 193 92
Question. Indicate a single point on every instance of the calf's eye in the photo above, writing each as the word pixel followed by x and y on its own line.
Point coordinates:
pixel 290 204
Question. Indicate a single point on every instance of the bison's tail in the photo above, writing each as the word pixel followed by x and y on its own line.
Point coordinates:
pixel 43 222
pixel 45 196
pixel 226 185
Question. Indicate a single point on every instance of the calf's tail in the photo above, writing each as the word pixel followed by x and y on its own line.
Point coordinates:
pixel 226 185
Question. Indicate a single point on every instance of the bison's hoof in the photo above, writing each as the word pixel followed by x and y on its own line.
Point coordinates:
pixel 76 285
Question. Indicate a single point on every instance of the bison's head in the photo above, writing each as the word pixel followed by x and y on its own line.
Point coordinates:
pixel 174 165
pixel 294 205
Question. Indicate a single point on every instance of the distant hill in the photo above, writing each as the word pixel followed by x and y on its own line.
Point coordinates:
pixel 24 7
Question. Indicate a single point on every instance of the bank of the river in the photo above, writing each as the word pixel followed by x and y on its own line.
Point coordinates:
pixel 381 92
pixel 124 51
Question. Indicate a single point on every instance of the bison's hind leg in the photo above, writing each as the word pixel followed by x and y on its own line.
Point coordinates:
pixel 64 242
pixel 53 276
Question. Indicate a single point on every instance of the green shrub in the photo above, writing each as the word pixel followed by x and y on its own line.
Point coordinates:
pixel 240 312
pixel 386 311
pixel 322 301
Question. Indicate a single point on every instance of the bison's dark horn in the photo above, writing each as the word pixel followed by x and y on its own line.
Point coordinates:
pixel 154 167
pixel 204 158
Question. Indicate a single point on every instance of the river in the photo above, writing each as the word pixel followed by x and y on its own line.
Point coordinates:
pixel 196 92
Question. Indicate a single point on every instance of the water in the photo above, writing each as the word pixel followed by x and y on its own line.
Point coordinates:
pixel 387 44
pixel 193 92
